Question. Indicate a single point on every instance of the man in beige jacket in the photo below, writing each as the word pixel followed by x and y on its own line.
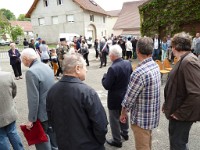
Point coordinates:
pixel 8 113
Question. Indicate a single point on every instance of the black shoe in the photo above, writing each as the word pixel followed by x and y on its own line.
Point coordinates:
pixel 124 136
pixel 113 143
pixel 100 66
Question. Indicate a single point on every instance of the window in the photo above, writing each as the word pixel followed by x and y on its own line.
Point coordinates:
pixel 41 21
pixel 55 19
pixel 104 19
pixel 92 18
pixel 59 2
pixel 70 18
pixel 46 3
pixel 93 2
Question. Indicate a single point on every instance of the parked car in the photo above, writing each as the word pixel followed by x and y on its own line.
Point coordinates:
pixel 3 42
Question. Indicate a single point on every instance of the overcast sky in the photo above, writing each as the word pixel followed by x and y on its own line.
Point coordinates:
pixel 22 6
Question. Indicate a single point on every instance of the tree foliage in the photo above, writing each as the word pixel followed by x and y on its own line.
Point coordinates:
pixel 23 18
pixel 8 14
pixel 4 24
pixel 16 31
pixel 169 16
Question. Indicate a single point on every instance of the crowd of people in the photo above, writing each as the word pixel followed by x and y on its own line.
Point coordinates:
pixel 71 112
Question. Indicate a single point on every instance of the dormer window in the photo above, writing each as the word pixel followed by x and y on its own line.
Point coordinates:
pixel 46 3
pixel 93 2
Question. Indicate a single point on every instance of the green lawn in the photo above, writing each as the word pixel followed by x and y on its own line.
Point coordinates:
pixel 21 47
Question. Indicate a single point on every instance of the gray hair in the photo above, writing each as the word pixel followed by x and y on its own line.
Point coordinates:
pixel 103 40
pixel 181 42
pixel 29 53
pixel 116 50
pixel 145 46
pixel 71 61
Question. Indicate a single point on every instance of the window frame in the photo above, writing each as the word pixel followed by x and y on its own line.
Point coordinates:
pixel 92 18
pixel 69 19
pixel 46 3
pixel 40 21
pixel 53 22
pixel 59 2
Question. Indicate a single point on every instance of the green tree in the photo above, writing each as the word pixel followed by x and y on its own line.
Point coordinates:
pixel 8 14
pixel 4 24
pixel 15 32
pixel 23 18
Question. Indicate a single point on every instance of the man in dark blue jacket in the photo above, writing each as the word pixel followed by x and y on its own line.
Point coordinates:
pixel 75 110
pixel 116 81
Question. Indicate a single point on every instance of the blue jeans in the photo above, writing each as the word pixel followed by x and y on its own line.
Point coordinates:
pixel 10 133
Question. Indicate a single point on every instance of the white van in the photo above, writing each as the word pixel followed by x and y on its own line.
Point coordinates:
pixel 68 36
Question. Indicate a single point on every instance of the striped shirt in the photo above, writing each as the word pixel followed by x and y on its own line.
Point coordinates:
pixel 142 97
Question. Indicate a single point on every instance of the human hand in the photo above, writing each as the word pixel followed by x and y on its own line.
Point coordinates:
pixel 123 118
pixel 29 125
pixel 174 117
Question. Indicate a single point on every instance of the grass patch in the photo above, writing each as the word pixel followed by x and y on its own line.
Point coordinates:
pixel 21 47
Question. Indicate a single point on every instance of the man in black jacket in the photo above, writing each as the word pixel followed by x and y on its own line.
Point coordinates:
pixel 116 81
pixel 74 109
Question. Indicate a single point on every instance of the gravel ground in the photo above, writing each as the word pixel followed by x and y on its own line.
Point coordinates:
pixel 94 75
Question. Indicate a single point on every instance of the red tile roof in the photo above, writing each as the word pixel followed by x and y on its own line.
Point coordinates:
pixel 129 17
pixel 113 13
pixel 26 25
pixel 90 5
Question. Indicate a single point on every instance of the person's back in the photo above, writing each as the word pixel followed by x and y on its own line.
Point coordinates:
pixel 72 124
pixel 8 113
pixel 43 79
pixel 7 92
pixel 121 71
pixel 75 110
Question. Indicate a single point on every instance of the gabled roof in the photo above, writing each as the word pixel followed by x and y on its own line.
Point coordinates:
pixel 26 25
pixel 113 13
pixel 90 5
pixel 129 17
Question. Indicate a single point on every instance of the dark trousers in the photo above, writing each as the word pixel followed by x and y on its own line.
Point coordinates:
pixel 178 134
pixel 134 54
pixel 97 53
pixel 59 69
pixel 51 144
pixel 128 54
pixel 85 56
pixel 116 126
pixel 156 53
pixel 17 69
pixel 123 54
pixel 103 59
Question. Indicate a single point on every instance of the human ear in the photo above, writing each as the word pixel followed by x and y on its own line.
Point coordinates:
pixel 77 68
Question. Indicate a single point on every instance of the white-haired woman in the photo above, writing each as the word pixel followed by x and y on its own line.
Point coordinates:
pixel 15 61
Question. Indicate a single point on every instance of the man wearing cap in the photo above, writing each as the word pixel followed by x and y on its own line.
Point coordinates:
pixel 61 50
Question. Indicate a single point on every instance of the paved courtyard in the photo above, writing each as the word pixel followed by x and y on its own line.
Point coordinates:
pixel 94 76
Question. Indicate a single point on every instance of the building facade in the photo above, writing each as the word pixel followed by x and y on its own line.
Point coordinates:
pixel 49 18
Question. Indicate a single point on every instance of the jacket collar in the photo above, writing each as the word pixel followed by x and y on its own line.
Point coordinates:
pixel 34 61
pixel 117 60
pixel 67 78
